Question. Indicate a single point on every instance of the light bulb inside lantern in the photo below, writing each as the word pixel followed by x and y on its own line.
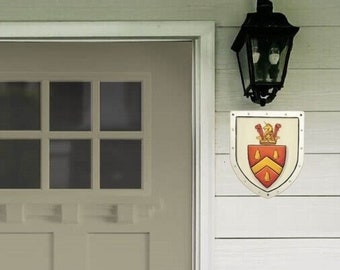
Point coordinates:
pixel 256 55
pixel 274 56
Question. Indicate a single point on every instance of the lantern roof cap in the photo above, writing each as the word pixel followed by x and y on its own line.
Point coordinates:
pixel 264 23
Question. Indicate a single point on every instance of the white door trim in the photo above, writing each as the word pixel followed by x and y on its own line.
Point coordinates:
pixel 202 34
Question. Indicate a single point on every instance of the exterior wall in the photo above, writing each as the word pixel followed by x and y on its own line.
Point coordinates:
pixel 300 228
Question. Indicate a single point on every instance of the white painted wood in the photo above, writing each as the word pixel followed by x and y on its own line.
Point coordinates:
pixel 309 12
pixel 26 251
pixel 168 65
pixel 2 212
pixel 99 213
pixel 310 182
pixel 70 213
pixel 278 217
pixel 322 132
pixel 307 53
pixel 203 34
pixel 43 213
pixel 123 10
pixel 227 183
pixel 107 31
pixel 226 12
pixel 45 143
pixel 69 249
pixel 15 213
pixel 267 254
pixel 222 141
pixel 125 213
pixel 129 251
pixel 203 99
pixel 300 92
pixel 120 213
pixel 318 138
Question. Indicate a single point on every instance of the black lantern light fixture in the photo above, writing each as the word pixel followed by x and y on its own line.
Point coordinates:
pixel 263 46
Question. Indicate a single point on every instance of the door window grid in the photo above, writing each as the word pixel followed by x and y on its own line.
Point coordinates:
pixel 94 135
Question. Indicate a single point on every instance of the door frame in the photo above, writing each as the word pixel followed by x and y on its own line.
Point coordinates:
pixel 202 36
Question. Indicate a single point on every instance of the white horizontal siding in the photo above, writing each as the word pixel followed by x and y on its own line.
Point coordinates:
pixel 281 254
pixel 224 12
pixel 216 10
pixel 277 217
pixel 304 89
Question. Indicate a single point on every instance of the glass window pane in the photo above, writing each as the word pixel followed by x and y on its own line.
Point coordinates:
pixel 120 106
pixel 70 164
pixel 70 108
pixel 19 106
pixel 20 164
pixel 120 164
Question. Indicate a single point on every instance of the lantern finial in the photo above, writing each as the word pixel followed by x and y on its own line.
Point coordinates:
pixel 264 6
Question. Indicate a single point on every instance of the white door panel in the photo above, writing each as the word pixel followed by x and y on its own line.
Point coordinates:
pixel 103 228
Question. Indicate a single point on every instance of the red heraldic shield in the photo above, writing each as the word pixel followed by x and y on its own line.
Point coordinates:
pixel 267 162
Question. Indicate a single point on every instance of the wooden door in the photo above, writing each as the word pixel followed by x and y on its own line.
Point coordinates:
pixel 96 144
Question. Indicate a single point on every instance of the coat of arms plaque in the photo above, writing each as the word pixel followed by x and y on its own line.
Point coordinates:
pixel 266 149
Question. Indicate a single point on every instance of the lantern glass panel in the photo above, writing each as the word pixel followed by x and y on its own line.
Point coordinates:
pixel 283 62
pixel 269 58
pixel 244 66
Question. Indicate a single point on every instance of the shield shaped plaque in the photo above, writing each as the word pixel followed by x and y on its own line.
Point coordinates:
pixel 266 149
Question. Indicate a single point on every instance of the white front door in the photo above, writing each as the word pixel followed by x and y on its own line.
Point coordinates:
pixel 96 150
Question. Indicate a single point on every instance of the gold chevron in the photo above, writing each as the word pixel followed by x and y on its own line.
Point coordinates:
pixel 266 162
